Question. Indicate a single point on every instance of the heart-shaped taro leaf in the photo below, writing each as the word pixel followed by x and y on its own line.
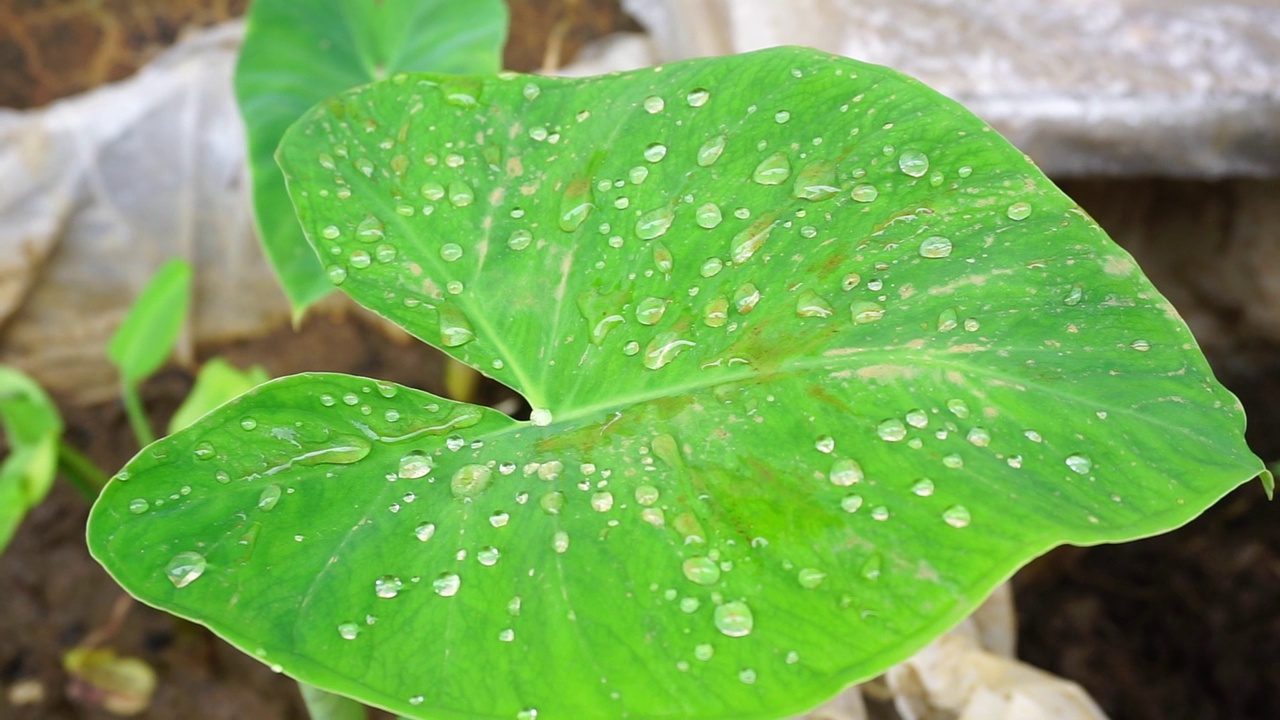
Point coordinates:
pixel 816 358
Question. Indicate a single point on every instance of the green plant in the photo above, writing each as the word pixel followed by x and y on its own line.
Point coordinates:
pixel 146 337
pixel 297 54
pixel 217 382
pixel 33 425
pixel 33 428
pixel 815 359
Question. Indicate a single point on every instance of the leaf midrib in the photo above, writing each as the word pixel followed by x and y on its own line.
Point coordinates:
pixel 926 359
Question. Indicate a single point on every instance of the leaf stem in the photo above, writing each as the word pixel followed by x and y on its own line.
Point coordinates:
pixel 323 705
pixel 137 418
pixel 80 471
pixel 461 381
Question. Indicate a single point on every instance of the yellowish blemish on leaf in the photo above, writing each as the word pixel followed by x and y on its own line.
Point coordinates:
pixel 886 373
pixel 951 287
pixel 1119 266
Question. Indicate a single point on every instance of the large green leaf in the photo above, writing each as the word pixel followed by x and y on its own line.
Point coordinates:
pixel 816 358
pixel 32 426
pixel 295 54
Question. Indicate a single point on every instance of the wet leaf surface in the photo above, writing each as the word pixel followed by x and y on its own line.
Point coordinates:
pixel 816 360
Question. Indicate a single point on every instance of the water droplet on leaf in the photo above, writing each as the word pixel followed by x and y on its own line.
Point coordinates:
pixel 425 531
pixel 957 516
pixel 701 570
pixel 387 587
pixel 664 348
pixel 913 163
pixel 1019 211
pixel 269 497
pixel 649 311
pixel 1079 464
pixel 810 578
pixel 455 329
pixel 415 464
pixel 935 247
pixel 773 170
pixel 864 193
pixel 958 408
pixel 845 472
pixel 461 194
pixel 707 215
pixel 710 151
pixel 470 480
pixel 866 312
pixel 891 430
pixel 450 252
pixel 734 619
pixel 810 304
pixel 979 437
pixel 655 223
pixel 447 584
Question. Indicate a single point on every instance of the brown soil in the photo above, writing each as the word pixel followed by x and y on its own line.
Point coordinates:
pixel 50 50
pixel 53 49
pixel 1183 625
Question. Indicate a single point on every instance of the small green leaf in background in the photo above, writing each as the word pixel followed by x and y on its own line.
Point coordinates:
pixel 145 339
pixel 217 382
pixel 33 426
pixel 816 360
pixel 295 54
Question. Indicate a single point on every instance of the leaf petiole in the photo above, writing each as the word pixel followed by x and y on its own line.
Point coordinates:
pixel 80 471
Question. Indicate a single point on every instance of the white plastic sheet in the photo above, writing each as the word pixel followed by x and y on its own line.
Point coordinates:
pixel 101 188
pixel 1174 88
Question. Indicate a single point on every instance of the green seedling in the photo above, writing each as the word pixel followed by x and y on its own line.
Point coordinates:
pixel 297 54
pixel 145 339
pixel 33 427
pixel 816 360
pixel 217 382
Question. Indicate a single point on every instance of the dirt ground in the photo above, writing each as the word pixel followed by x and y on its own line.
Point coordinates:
pixel 1182 626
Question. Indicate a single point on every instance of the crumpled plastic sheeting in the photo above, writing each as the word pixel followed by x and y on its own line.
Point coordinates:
pixel 970 674
pixel 848 705
pixel 101 188
pixel 1175 88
